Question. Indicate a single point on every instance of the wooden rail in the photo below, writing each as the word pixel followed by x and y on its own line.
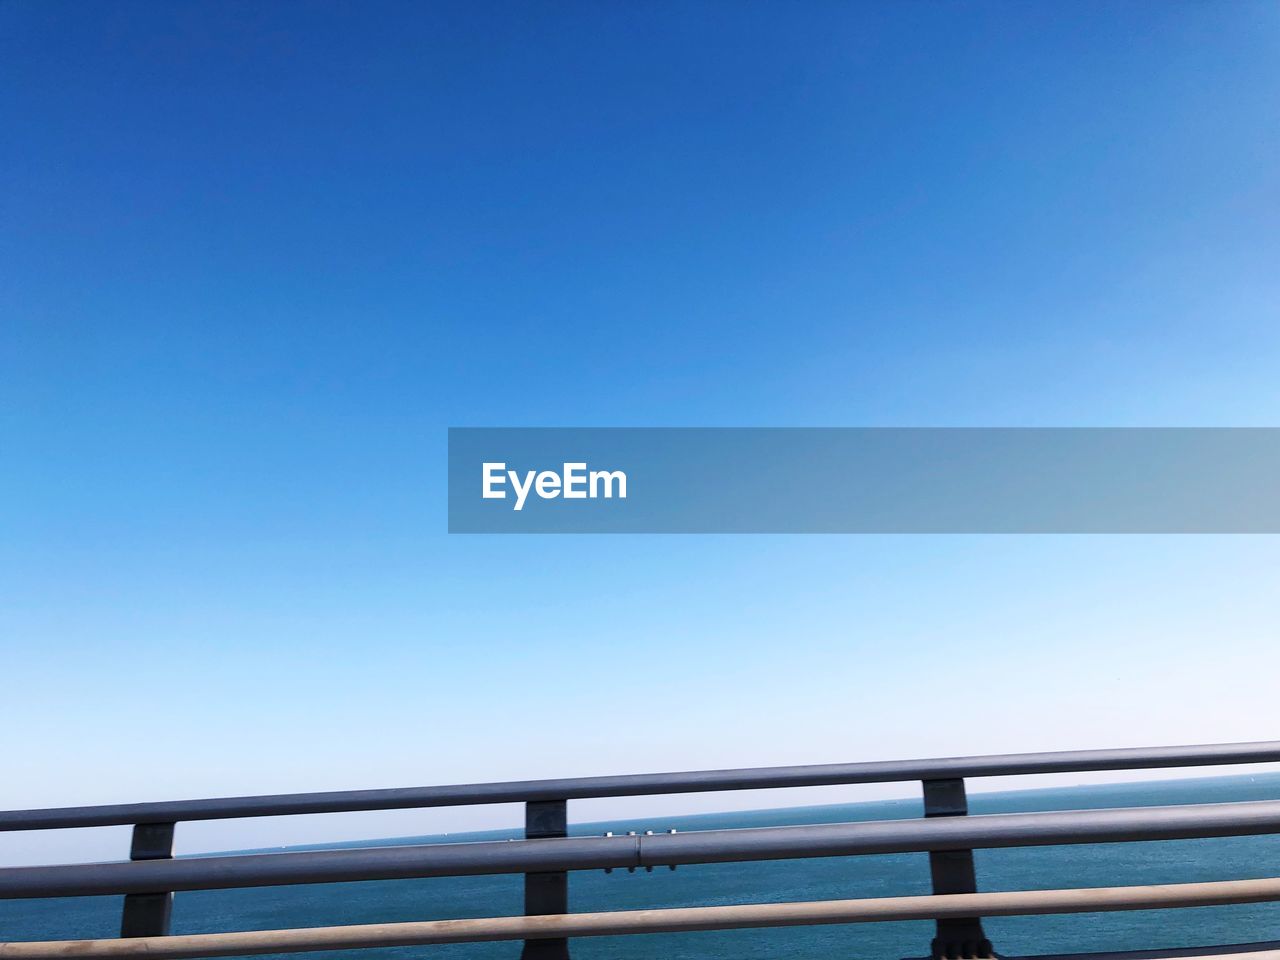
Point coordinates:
pixel 676 920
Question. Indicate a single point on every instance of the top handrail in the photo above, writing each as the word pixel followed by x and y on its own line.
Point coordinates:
pixel 646 784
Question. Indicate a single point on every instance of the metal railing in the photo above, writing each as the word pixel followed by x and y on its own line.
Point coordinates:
pixel 947 833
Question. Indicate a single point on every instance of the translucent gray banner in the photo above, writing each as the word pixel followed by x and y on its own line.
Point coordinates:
pixel 864 480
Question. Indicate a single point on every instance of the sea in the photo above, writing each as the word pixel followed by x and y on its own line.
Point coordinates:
pixel 816 879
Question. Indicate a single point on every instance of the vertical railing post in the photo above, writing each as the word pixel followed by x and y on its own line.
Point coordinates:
pixel 147 914
pixel 952 872
pixel 546 893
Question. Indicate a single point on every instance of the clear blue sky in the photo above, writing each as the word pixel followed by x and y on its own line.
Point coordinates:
pixel 256 258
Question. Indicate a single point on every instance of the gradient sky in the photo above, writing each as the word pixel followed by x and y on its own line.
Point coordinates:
pixel 256 258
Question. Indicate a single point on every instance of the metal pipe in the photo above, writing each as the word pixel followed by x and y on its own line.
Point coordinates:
pixel 646 784
pixel 679 920
pixel 586 853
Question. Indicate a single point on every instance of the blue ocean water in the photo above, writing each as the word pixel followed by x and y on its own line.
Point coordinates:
pixel 901 874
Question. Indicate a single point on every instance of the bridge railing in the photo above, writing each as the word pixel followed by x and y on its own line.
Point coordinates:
pixel 547 855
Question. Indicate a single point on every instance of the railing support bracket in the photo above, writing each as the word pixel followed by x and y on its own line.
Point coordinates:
pixel 952 871
pixel 546 893
pixel 147 914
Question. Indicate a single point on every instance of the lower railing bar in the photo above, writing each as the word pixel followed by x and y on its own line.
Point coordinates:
pixel 1257 950
pixel 678 920
pixel 587 853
